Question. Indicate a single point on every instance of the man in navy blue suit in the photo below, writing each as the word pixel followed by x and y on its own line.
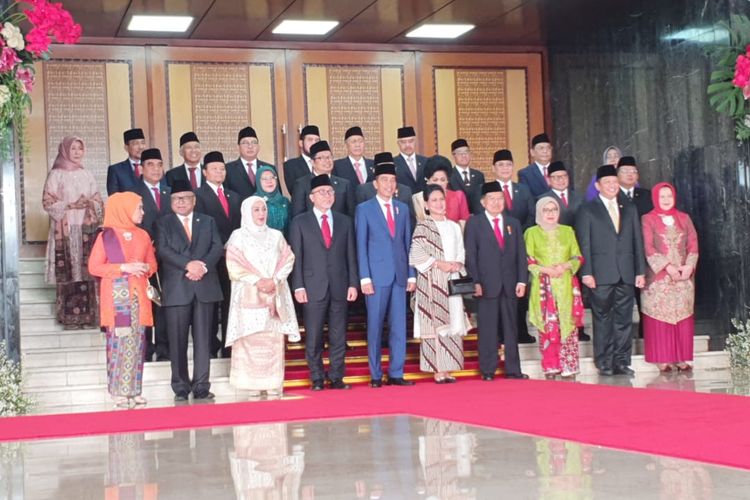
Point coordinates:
pixel 383 240
pixel 124 176
pixel 536 175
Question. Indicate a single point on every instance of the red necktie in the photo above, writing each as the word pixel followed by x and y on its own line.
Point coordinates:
pixel 564 199
pixel 137 169
pixel 508 199
pixel 389 220
pixel 546 177
pixel 250 173
pixel 498 233
pixel 359 173
pixel 326 229
pixel 193 180
pixel 223 201
pixel 157 198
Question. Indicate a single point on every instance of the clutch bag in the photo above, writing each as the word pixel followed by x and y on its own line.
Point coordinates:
pixel 461 286
pixel 153 293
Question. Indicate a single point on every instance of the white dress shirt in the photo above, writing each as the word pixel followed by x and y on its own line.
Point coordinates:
pixel 198 176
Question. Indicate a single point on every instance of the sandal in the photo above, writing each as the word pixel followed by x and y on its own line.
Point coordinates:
pixel 665 368
pixel 450 380
pixel 139 400
pixel 121 402
pixel 684 367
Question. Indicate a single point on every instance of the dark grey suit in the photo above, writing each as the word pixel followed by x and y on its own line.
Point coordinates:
pixel 344 168
pixel 179 173
pixel 344 196
pixel 614 259
pixel 237 179
pixel 403 174
pixel 473 192
pixel 294 168
pixel 498 271
pixel 567 212
pixel 326 275
pixel 189 303
pixel 641 199
pixel 524 206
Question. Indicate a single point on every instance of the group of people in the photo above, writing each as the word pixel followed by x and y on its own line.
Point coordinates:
pixel 233 255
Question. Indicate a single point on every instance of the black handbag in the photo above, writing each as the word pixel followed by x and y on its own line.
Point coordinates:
pixel 461 286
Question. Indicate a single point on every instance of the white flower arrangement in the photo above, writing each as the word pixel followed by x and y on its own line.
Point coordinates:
pixel 12 399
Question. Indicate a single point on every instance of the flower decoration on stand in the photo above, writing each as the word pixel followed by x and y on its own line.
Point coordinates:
pixel 49 22
pixel 729 92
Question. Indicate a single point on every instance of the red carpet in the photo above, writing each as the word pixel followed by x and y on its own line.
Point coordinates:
pixel 705 427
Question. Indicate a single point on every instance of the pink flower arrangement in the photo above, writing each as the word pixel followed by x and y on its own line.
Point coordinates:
pixel 742 73
pixel 49 20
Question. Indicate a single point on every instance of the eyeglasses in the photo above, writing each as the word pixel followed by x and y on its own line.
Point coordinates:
pixel 248 143
pixel 323 158
pixel 628 170
pixel 180 199
pixel 550 210
pixel 324 192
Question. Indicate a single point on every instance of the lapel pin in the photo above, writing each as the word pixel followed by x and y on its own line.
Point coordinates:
pixel 510 232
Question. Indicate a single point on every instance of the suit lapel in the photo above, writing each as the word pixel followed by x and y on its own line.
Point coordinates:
pixel 490 230
pixel 605 213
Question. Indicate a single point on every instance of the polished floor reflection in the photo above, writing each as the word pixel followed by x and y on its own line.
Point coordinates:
pixel 391 458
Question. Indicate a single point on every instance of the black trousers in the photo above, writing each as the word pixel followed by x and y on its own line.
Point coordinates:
pixel 314 316
pixel 492 314
pixel 221 313
pixel 179 320
pixel 612 311
pixel 157 341
pixel 522 309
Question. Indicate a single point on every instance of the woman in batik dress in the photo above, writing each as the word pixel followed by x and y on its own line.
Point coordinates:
pixel 72 200
pixel 261 311
pixel 437 253
pixel 123 257
pixel 555 305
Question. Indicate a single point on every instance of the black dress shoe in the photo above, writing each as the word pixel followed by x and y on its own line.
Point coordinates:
pixel 488 377
pixel 180 397
pixel 162 358
pixel 519 376
pixel 583 336
pixel 340 384
pixel 207 395
pixel 399 381
pixel 606 372
pixel 528 339
pixel 375 383
pixel 317 385
pixel 624 370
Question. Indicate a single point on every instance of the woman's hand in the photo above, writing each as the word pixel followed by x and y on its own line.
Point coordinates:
pixel 135 268
pixel 685 271
pixel 444 266
pixel 266 285
pixel 673 272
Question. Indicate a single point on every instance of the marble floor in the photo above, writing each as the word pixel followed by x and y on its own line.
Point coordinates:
pixel 390 458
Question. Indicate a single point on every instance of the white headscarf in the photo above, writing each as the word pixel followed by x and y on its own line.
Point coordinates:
pixel 248 224
pixel 544 201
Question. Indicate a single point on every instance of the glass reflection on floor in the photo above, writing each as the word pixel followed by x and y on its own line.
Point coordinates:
pixel 373 458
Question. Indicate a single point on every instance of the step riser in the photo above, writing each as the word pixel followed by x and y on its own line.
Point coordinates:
pixel 32 311
pixel 31 280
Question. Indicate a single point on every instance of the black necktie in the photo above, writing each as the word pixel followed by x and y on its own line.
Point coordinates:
pixel 467 182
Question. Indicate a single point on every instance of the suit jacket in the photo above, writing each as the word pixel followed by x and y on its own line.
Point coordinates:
pixel 175 251
pixel 207 202
pixel 524 206
pixel 320 270
pixel 641 199
pixel 403 174
pixel 343 168
pixel 474 192
pixel 383 259
pixel 494 268
pixel 294 168
pixel 344 196
pixel 237 179
pixel 534 180
pixel 610 256
pixel 151 213
pixel 179 172
pixel 567 213
pixel 403 194
pixel 120 177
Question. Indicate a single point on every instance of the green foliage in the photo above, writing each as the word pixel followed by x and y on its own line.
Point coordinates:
pixel 738 345
pixel 12 399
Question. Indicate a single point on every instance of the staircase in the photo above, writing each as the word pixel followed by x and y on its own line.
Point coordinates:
pixel 64 368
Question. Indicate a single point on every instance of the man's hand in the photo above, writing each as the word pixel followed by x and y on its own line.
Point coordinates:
pixel 196 268
pixel 640 281
pixel 477 290
pixel 411 286
pixel 368 289
pixel 301 296
pixel 351 294
pixel 520 290
pixel 589 281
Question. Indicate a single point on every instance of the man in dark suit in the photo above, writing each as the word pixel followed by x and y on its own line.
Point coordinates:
pixel 630 192
pixel 519 204
pixel 569 202
pixel 155 194
pixel 324 279
pixel 189 247
pixel 383 241
pixel 609 234
pixel 463 177
pixel 124 176
pixel 322 164
pixel 223 206
pixel 241 172
pixel 355 168
pixel 627 176
pixel 301 166
pixel 190 150
pixel 409 164
pixel 535 176
pixel 496 259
